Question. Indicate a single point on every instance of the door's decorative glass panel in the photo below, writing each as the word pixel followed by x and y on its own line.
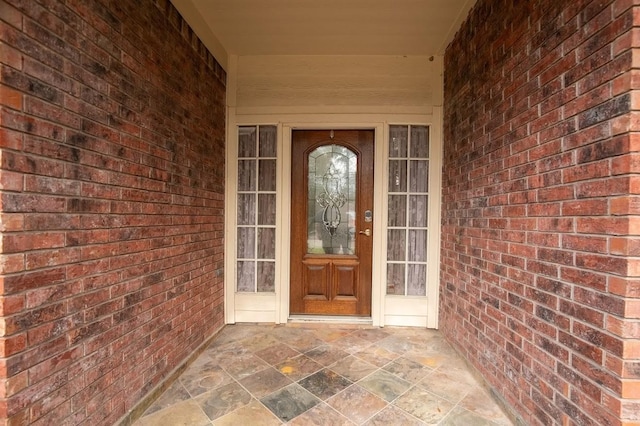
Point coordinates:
pixel 408 198
pixel 331 202
pixel 257 173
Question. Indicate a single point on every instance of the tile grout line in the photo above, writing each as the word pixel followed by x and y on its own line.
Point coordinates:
pixel 335 344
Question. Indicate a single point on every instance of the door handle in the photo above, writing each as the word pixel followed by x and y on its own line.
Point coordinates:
pixel 366 232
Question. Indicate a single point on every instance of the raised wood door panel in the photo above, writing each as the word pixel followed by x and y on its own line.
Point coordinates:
pixel 330 257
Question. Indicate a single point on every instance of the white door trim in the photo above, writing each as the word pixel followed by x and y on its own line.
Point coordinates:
pixel 377 286
pixel 274 307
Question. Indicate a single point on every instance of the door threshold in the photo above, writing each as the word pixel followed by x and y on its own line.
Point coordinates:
pixel 330 319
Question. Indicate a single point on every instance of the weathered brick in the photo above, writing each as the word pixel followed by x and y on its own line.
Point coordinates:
pixel 14 243
pixel 10 97
pixel 625 205
pixel 603 225
pixel 99 161
pixel 10 181
pixel 575 151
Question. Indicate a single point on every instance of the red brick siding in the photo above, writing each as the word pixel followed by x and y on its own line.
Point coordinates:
pixel 112 124
pixel 540 268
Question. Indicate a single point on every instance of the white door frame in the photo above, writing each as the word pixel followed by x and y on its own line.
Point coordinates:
pixel 385 310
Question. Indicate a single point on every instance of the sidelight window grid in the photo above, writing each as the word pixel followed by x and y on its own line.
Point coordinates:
pixel 408 194
pixel 256 209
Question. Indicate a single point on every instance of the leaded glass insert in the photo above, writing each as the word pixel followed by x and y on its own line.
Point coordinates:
pixel 331 200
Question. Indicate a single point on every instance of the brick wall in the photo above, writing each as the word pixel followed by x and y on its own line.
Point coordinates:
pixel 112 167
pixel 540 271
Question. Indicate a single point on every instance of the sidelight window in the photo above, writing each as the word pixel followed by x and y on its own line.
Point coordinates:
pixel 256 209
pixel 408 194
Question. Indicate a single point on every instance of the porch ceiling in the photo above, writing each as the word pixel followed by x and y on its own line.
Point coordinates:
pixel 324 27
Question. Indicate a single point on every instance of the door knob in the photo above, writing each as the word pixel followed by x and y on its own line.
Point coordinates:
pixel 366 232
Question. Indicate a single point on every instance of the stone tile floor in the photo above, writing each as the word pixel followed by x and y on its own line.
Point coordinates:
pixel 319 374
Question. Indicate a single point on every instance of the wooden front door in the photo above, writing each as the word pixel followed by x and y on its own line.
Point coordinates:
pixel 331 222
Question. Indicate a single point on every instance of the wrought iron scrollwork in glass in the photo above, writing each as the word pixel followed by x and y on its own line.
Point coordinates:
pixel 332 199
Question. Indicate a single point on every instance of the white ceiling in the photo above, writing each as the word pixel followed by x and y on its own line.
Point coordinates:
pixel 324 27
